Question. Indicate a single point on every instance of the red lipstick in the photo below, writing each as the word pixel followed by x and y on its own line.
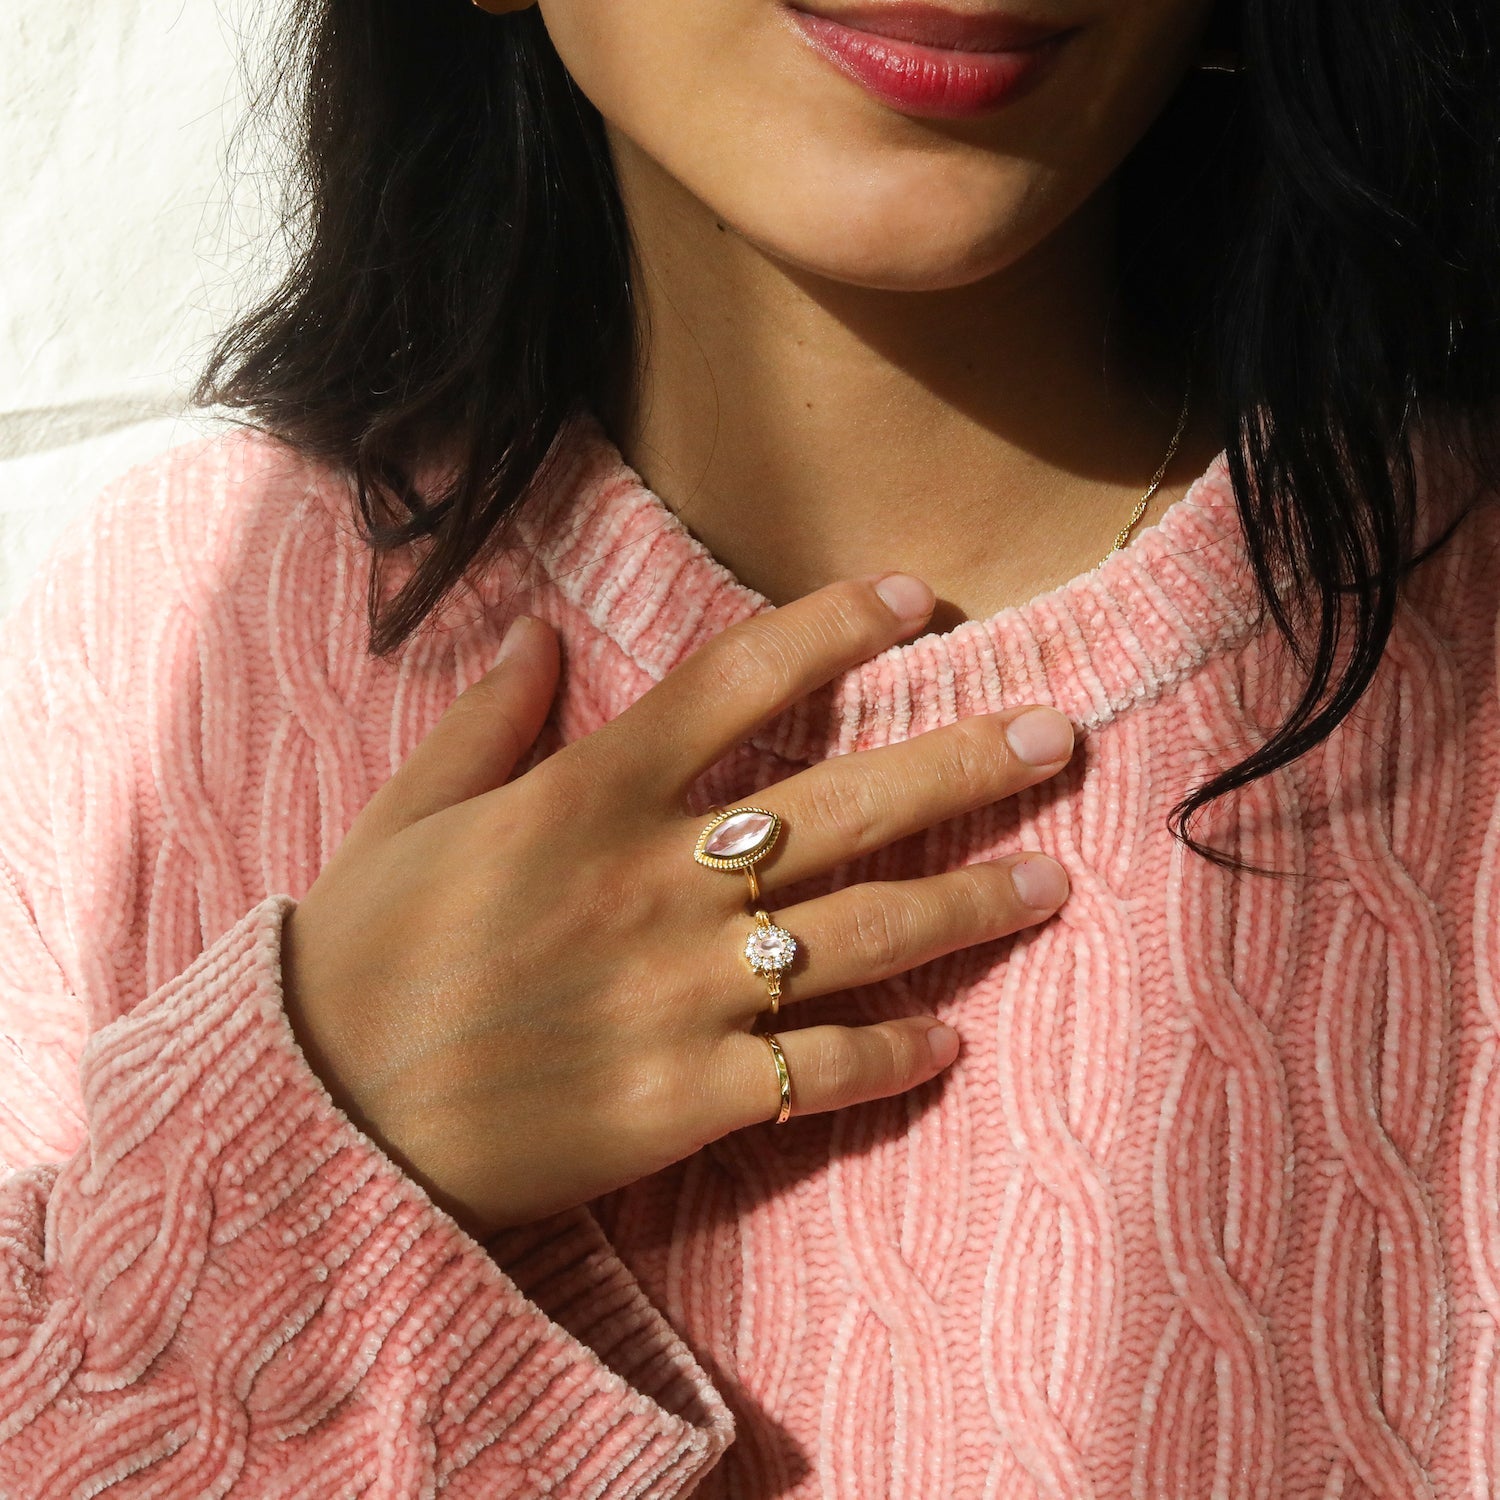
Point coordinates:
pixel 925 60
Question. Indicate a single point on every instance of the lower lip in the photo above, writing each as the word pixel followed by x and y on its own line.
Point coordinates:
pixel 934 81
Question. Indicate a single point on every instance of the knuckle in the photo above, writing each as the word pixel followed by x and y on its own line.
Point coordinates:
pixel 585 783
pixel 857 612
pixel 982 900
pixel 883 922
pixel 479 696
pixel 510 739
pixel 906 1055
pixel 399 802
pixel 838 1067
pixel 850 807
pixel 982 904
pixel 612 903
pixel 538 807
pixel 612 763
pixel 638 1098
pixel 967 759
pixel 488 704
pixel 750 663
pixel 771 653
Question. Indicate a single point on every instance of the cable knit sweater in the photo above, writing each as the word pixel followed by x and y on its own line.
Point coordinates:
pixel 1208 1206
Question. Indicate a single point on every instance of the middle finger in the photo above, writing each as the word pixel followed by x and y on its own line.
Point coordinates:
pixel 849 805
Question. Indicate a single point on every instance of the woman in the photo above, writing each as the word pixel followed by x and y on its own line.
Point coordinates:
pixel 440 1067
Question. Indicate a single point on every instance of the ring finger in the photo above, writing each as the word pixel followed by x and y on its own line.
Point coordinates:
pixel 868 932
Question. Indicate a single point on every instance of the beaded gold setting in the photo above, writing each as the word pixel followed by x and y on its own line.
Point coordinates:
pixel 758 823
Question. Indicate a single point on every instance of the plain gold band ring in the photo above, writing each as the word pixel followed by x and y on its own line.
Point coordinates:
pixel 782 1076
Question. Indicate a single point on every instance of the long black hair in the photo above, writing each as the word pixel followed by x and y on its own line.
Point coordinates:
pixel 460 282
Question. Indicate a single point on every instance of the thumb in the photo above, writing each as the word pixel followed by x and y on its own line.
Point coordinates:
pixel 474 747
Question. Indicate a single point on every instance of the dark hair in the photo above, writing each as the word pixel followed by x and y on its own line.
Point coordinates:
pixel 1319 233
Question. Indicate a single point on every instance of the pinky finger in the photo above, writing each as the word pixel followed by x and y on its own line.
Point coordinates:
pixel 830 1067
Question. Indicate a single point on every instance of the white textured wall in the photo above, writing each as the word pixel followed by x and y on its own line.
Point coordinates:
pixel 120 250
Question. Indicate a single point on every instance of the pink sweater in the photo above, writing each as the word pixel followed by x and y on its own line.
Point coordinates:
pixel 1209 1205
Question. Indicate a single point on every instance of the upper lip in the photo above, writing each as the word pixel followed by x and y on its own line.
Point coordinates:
pixel 935 26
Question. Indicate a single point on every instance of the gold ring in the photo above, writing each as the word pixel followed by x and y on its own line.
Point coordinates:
pixel 737 838
pixel 769 950
pixel 782 1077
pixel 734 839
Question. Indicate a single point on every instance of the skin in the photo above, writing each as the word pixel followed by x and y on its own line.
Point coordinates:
pixel 517 1054
pixel 888 339
pixel 843 306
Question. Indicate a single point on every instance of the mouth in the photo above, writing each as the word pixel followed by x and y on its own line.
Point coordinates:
pixel 925 60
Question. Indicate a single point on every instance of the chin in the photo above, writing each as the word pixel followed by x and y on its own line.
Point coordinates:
pixel 879 268
pixel 895 243
pixel 897 254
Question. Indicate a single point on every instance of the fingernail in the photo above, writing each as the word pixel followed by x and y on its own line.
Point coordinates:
pixel 1041 736
pixel 943 1040
pixel 909 598
pixel 514 636
pixel 1040 882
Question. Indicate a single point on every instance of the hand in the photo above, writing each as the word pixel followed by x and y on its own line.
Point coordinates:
pixel 529 994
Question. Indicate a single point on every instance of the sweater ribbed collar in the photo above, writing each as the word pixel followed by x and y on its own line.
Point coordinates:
pixel 1179 593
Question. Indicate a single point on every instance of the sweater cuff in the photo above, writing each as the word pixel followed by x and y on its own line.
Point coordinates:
pixel 289 1255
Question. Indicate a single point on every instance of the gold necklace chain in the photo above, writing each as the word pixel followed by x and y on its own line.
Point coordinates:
pixel 1145 500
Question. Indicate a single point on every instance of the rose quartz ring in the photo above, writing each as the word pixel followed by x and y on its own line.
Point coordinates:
pixel 734 839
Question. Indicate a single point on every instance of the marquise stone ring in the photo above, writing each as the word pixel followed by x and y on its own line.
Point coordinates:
pixel 736 838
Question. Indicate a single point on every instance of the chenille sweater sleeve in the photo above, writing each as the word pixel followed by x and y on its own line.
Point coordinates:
pixel 211 1283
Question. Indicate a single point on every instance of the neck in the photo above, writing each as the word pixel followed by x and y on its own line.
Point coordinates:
pixel 992 437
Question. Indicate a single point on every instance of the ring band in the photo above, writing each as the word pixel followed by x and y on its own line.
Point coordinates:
pixel 782 1076
pixel 736 838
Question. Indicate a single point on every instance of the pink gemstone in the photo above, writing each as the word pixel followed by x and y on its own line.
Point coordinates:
pixel 770 949
pixel 738 835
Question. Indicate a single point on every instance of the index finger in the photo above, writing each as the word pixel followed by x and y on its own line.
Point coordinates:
pixel 752 670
